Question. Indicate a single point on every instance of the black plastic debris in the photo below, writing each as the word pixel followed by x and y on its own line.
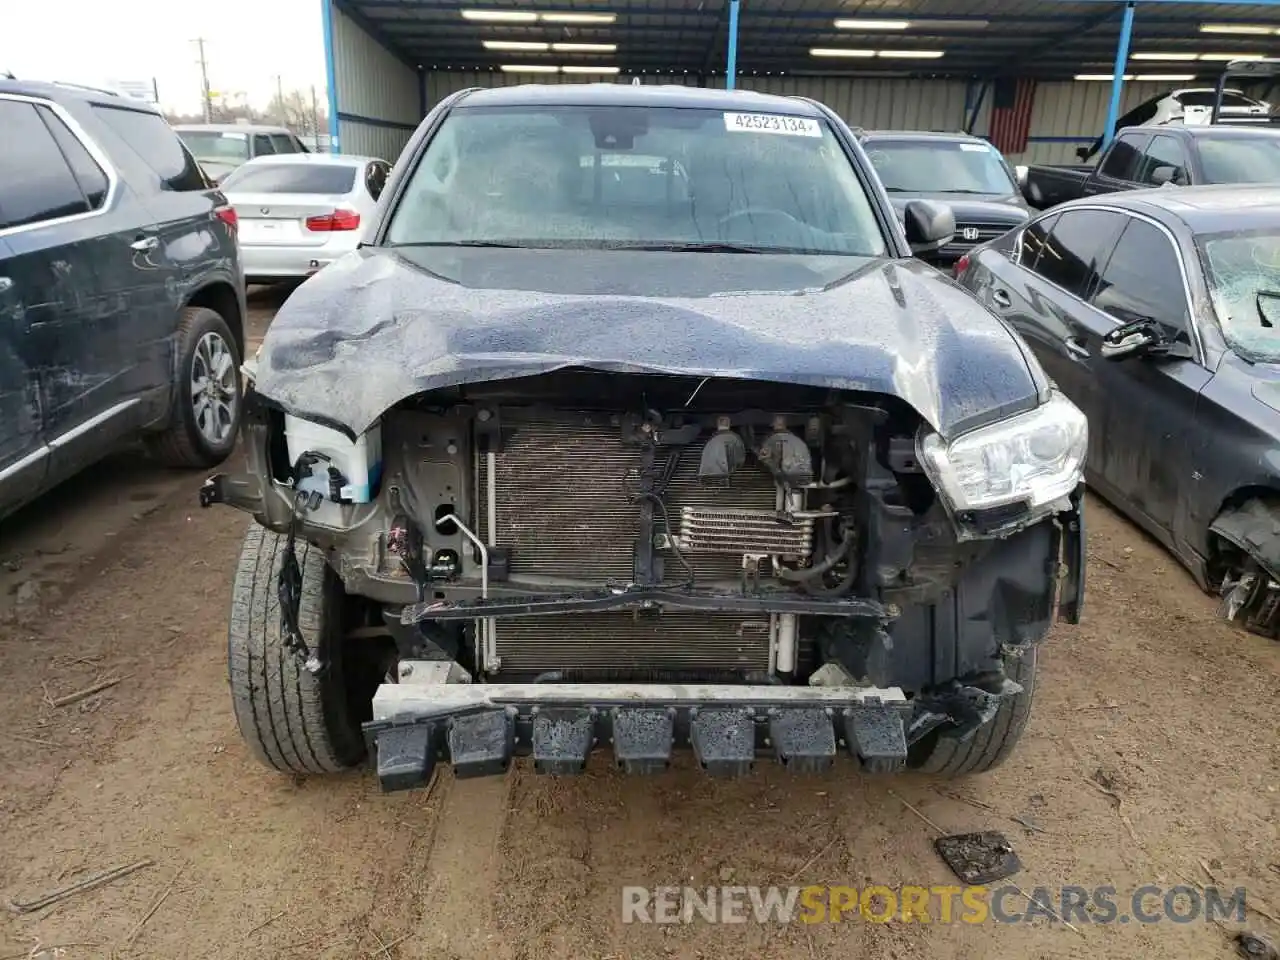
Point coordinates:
pixel 979 857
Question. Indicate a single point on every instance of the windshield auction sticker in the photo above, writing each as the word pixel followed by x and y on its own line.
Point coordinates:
pixel 772 123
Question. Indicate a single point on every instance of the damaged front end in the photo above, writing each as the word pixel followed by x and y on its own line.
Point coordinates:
pixel 642 563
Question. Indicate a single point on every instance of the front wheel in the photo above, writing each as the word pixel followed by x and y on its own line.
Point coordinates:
pixel 991 743
pixel 292 720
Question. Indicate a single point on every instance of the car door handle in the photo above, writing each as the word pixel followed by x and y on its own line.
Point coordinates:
pixel 143 244
pixel 1076 348
pixel 1001 298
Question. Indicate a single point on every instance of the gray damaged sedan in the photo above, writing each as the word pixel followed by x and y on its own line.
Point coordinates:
pixel 632 428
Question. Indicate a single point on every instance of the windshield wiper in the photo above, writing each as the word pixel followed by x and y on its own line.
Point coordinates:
pixel 707 246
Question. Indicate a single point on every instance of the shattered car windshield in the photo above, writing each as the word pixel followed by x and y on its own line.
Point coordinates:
pixel 636 177
pixel 1243 271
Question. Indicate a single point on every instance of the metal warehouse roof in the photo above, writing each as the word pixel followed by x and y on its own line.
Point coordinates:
pixel 1052 39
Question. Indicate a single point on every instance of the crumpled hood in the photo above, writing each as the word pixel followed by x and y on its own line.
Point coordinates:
pixel 374 328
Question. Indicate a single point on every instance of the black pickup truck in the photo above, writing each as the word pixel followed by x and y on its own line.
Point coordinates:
pixel 1157 156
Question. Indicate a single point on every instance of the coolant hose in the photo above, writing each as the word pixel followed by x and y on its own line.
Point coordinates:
pixel 821 568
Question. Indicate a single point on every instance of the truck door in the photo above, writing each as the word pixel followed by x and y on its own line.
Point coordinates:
pixel 1118 166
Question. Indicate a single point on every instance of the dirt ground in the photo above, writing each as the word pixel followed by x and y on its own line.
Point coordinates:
pixel 120 575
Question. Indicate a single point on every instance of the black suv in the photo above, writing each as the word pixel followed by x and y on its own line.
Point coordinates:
pixel 121 293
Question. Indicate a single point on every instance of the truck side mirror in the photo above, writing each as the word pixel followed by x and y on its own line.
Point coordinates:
pixel 1165 175
pixel 928 226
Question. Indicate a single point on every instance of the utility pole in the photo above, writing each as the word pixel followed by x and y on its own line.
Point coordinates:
pixel 284 114
pixel 205 97
pixel 315 117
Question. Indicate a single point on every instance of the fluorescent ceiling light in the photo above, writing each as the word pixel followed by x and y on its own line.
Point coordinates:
pixel 585 69
pixel 911 54
pixel 1101 76
pixel 1165 76
pixel 872 24
pixel 515 45
pixel 529 68
pixel 1165 56
pixel 924 23
pixel 585 47
pixel 839 52
pixel 1224 57
pixel 507 16
pixel 1252 29
pixel 578 17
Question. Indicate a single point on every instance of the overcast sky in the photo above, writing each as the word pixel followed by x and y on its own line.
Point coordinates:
pixel 248 42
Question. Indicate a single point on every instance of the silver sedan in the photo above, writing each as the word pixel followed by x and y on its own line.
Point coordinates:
pixel 299 212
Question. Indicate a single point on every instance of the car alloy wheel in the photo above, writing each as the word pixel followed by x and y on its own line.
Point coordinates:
pixel 213 388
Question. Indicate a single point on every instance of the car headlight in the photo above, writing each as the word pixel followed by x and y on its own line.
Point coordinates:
pixel 1034 458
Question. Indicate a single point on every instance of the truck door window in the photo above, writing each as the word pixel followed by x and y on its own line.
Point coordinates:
pixel 283 143
pixel 1163 153
pixel 1143 280
pixel 1121 159
pixel 36 185
pixel 262 145
pixel 1080 242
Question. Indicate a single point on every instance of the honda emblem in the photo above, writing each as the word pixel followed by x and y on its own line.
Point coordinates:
pixel 265 210
pixel 969 233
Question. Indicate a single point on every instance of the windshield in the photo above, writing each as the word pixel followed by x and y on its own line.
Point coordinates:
pixel 636 177
pixel 1240 159
pixel 219 147
pixel 939 166
pixel 1243 271
pixel 291 178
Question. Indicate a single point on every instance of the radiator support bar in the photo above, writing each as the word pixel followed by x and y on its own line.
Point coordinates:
pixel 647 598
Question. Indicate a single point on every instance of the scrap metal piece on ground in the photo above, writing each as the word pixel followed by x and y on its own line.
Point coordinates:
pixel 89 883
pixel 979 857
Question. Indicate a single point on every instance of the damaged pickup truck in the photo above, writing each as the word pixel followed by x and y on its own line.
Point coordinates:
pixel 634 427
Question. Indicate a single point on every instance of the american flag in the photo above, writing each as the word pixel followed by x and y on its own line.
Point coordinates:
pixel 1011 115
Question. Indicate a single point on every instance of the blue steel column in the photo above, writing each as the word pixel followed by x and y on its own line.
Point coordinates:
pixel 330 74
pixel 730 78
pixel 1117 77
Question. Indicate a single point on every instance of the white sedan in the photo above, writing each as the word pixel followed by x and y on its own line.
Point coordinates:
pixel 300 212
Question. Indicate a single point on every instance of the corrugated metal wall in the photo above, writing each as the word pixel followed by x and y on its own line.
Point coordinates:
pixel 1075 110
pixel 1065 115
pixel 379 98
pixel 919 105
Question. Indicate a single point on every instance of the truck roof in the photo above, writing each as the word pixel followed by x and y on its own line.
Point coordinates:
pixel 1208 132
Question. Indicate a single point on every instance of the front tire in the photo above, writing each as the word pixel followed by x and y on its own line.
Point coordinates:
pixel 205 417
pixel 292 720
pixel 990 744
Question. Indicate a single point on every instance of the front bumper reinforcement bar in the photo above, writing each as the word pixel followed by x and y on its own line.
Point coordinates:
pixel 479 728
pixel 647 598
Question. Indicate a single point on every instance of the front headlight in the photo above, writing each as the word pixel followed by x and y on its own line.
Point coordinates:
pixel 1034 458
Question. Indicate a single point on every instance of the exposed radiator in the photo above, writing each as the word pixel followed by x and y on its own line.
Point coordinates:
pixel 563 511
pixel 619 643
